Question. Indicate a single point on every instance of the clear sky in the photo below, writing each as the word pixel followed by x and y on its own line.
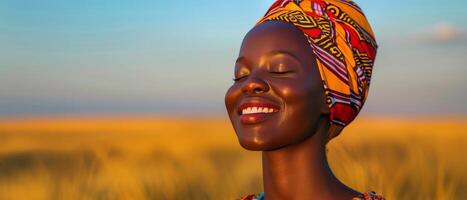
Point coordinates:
pixel 109 56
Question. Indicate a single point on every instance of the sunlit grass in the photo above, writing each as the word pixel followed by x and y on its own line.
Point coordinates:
pixel 183 158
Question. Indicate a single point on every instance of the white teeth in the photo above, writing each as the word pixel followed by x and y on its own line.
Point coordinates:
pixel 254 110
pixel 251 110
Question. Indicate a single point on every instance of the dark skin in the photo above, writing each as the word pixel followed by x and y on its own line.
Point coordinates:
pixel 276 72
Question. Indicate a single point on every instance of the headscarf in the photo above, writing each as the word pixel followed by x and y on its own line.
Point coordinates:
pixel 345 48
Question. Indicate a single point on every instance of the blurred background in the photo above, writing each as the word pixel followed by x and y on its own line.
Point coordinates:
pixel 125 100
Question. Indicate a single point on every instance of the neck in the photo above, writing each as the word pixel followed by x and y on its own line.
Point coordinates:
pixel 301 171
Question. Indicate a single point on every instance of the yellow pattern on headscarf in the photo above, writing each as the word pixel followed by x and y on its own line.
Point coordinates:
pixel 345 48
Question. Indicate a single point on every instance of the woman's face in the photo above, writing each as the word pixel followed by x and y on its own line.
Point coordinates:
pixel 277 97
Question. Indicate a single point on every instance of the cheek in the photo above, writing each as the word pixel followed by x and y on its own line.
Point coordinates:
pixel 296 96
pixel 231 98
pixel 301 106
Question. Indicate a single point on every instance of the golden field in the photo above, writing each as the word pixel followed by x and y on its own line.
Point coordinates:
pixel 187 158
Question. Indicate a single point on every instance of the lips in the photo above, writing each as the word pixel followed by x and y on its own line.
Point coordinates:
pixel 256 111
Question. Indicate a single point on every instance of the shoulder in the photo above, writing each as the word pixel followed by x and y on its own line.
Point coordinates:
pixel 369 196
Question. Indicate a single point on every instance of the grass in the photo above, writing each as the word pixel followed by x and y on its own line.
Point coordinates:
pixel 183 158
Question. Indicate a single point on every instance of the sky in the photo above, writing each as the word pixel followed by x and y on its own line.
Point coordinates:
pixel 165 57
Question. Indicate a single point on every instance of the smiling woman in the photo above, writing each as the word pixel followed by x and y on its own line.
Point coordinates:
pixel 301 76
pixel 297 95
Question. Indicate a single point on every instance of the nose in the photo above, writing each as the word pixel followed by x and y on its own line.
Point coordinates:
pixel 254 85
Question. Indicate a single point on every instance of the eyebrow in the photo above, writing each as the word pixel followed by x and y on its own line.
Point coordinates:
pixel 276 52
pixel 272 53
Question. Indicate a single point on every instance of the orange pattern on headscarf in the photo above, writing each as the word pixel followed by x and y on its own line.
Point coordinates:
pixel 345 47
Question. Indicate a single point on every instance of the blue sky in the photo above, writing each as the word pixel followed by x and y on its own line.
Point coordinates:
pixel 105 56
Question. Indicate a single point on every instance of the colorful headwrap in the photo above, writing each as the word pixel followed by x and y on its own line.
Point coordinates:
pixel 345 48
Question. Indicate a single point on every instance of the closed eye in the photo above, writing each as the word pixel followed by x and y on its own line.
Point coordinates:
pixel 284 72
pixel 237 79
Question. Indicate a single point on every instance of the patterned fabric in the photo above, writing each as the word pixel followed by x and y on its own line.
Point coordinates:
pixel 369 196
pixel 260 196
pixel 345 47
pixel 365 196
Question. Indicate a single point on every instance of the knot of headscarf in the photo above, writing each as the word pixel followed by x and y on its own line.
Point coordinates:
pixel 345 48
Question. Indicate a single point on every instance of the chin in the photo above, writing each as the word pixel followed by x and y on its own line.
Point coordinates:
pixel 252 147
pixel 253 144
pixel 257 144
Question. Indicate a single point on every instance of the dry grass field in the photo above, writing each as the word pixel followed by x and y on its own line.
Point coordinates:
pixel 182 158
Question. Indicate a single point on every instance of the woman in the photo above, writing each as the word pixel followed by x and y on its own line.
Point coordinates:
pixel 302 75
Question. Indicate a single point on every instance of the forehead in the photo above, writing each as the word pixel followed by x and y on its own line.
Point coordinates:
pixel 275 36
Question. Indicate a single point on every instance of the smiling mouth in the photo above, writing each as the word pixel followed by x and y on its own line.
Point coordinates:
pixel 256 112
